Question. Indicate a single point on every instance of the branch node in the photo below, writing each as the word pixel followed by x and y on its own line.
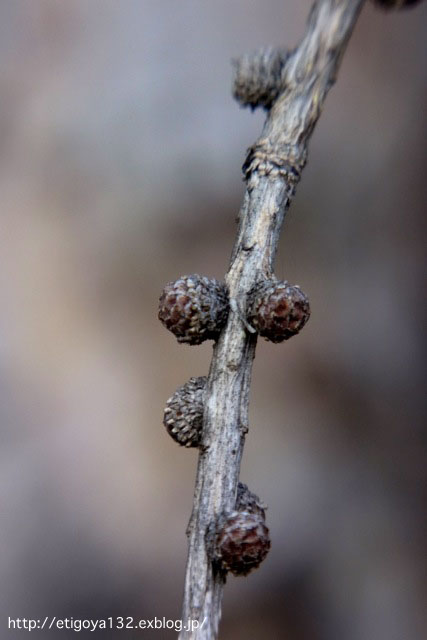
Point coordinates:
pixel 267 159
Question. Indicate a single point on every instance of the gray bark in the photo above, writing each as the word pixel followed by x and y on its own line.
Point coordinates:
pixel 273 169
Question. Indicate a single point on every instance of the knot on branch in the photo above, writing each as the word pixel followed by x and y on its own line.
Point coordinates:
pixel 258 77
pixel 194 308
pixel 268 159
pixel 396 4
pixel 241 539
pixel 183 416
pixel 278 310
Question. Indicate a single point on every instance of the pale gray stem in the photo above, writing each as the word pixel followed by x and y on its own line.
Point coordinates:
pixel 272 168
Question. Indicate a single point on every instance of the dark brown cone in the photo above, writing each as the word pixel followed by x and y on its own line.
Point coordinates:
pixel 194 308
pixel 278 310
pixel 183 416
pixel 242 542
pixel 257 78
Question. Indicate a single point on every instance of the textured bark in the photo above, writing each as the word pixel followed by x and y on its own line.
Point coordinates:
pixel 272 169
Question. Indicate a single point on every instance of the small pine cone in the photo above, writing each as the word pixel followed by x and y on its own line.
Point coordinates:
pixel 257 78
pixel 278 310
pixel 248 501
pixel 396 4
pixel 194 308
pixel 242 542
pixel 183 416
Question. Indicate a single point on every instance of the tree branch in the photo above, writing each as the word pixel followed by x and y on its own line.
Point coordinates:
pixel 272 169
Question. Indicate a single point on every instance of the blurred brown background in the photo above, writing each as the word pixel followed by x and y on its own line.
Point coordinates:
pixel 120 170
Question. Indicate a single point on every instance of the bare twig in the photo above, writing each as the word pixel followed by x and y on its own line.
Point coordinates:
pixel 272 169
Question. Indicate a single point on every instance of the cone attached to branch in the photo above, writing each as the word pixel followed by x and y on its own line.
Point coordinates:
pixel 242 537
pixel 183 416
pixel 278 310
pixel 194 308
pixel 258 77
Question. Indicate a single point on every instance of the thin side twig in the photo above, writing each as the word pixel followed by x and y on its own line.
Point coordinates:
pixel 272 169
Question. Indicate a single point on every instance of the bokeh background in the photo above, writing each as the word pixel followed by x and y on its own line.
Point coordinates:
pixel 121 150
